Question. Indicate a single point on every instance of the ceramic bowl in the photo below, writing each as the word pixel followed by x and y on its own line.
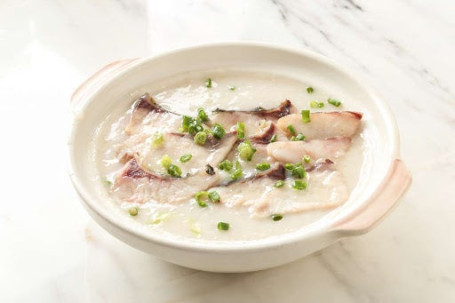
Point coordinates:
pixel 383 183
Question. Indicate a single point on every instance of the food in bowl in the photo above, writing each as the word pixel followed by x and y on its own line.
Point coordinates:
pixel 230 155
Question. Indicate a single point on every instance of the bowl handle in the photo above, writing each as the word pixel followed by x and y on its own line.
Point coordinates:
pixel 98 79
pixel 382 202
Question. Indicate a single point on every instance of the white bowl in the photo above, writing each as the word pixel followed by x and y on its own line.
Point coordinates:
pixel 382 185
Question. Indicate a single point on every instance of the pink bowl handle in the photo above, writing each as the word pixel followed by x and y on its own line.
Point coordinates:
pixel 98 79
pixel 385 199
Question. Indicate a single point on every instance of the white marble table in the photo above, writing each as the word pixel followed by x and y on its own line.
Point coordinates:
pixel 51 251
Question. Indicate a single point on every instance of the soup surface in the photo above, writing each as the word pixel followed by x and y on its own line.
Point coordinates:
pixel 229 155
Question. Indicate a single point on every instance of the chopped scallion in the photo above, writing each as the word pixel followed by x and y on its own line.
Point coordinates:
pixel 291 130
pixel 218 131
pixel 226 165
pixel 157 139
pixel 202 115
pixel 309 90
pixel 262 166
pixel 300 137
pixel 174 170
pixel 238 172
pixel 187 120
pixel 200 138
pixel 201 198
pixel 166 161
pixel 306 159
pixel 214 196
pixel 334 102
pixel 298 172
pixel 185 158
pixel 273 139
pixel 232 87
pixel 299 185
pixel 240 128
pixel 316 104
pixel 208 83
pixel 191 125
pixel 279 183
pixel 133 211
pixel 246 150
pixel 306 116
pixel 223 226
pixel 289 166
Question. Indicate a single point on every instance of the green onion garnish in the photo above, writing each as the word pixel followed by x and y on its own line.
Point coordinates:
pixel 334 102
pixel 174 170
pixel 306 159
pixel 262 166
pixel 157 139
pixel 223 226
pixel 133 211
pixel 200 138
pixel 202 115
pixel 208 83
pixel 214 196
pixel 218 131
pixel 298 172
pixel 238 172
pixel 232 87
pixel 299 184
pixel 277 217
pixel 309 90
pixel 191 125
pixel 289 166
pixel 240 128
pixel 291 130
pixel 185 158
pixel 226 165
pixel 166 161
pixel 273 139
pixel 306 116
pixel 246 150
pixel 187 120
pixel 300 137
pixel 201 198
pixel 316 104
pixel 279 183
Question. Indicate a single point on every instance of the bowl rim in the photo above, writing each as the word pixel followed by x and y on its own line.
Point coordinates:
pixel 317 228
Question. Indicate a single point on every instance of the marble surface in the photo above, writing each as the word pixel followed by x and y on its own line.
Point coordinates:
pixel 51 251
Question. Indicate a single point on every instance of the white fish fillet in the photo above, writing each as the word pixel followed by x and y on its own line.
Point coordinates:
pixel 134 184
pixel 294 151
pixel 323 125
pixel 256 121
pixel 326 189
pixel 175 145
